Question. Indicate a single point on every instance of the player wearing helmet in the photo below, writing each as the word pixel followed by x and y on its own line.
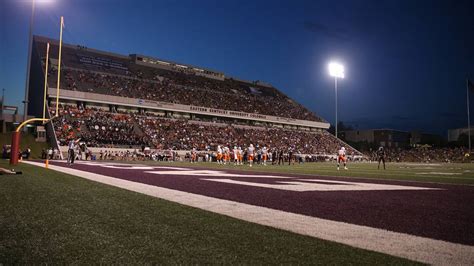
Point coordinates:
pixel 250 154
pixel 341 157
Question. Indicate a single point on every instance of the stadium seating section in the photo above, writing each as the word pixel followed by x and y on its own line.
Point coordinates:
pixel 104 129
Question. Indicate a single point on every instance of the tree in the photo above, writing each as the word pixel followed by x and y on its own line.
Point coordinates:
pixel 340 127
pixel 463 140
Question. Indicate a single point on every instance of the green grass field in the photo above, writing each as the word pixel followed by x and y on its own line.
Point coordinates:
pixel 453 173
pixel 50 217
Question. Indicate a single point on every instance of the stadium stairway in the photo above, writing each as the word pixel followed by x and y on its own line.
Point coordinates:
pixel 137 130
pixel 83 128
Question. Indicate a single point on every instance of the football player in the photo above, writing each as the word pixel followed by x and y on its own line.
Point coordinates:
pixel 219 154
pixel 381 157
pixel 264 155
pixel 250 154
pixel 194 156
pixel 341 158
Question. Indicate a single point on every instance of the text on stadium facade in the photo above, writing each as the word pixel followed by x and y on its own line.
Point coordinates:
pixel 225 112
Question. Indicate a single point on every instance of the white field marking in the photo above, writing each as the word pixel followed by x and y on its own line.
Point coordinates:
pixel 97 163
pixel 211 173
pixel 437 173
pixel 130 166
pixel 133 167
pixel 293 185
pixel 307 186
pixel 403 245
pixel 422 164
pixel 126 168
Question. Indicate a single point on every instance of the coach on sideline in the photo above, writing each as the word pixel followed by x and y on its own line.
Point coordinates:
pixel 70 151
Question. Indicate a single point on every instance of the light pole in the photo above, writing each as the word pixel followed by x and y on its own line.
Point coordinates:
pixel 28 63
pixel 336 70
pixel 30 43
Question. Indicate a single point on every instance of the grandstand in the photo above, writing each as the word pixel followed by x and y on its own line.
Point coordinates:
pixel 117 101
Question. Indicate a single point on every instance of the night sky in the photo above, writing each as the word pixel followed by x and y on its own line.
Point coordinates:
pixel 406 61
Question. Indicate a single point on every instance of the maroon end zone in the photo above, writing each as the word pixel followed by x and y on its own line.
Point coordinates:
pixel 444 213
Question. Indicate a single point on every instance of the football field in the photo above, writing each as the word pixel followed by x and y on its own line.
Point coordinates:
pixel 209 213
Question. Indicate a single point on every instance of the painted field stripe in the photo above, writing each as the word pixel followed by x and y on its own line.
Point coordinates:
pixel 307 185
pixel 397 244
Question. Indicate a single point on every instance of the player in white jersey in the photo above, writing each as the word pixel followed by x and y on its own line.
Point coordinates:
pixel 341 157
pixel 250 154
pixel 236 155
pixel 219 154
pixel 240 155
pixel 264 155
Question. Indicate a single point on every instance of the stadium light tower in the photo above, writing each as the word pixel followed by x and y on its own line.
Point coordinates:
pixel 336 70
pixel 30 44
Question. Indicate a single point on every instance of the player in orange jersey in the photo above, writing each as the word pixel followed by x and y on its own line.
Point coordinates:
pixel 341 157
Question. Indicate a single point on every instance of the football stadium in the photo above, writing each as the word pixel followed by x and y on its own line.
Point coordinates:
pixel 134 159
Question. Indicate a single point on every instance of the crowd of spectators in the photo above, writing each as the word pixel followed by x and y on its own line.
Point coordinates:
pixel 138 155
pixel 98 128
pixel 424 155
pixel 108 128
pixel 187 89
pixel 183 135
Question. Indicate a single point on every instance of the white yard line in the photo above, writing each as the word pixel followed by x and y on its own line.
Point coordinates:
pixel 397 244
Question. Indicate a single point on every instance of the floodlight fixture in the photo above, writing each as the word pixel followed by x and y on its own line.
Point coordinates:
pixel 336 70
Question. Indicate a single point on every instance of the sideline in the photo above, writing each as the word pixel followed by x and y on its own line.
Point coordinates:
pixel 415 248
